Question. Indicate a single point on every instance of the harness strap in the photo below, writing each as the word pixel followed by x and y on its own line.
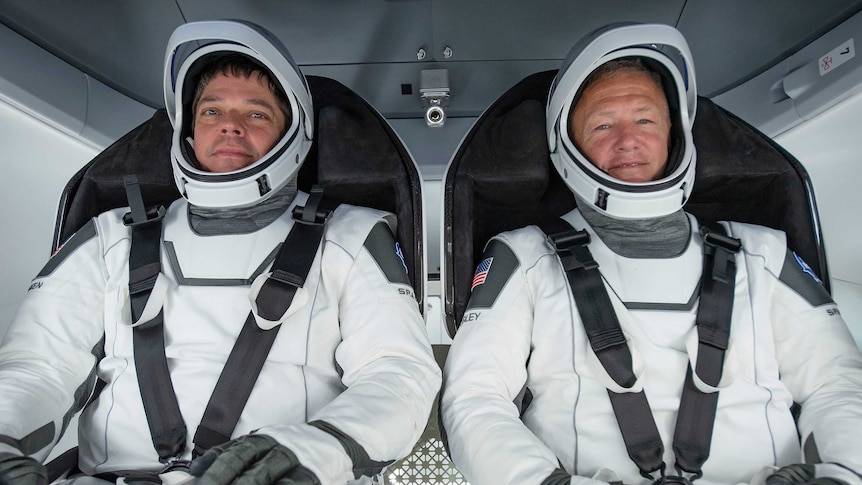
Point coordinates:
pixel 234 385
pixel 634 417
pixel 696 415
pixel 289 272
pixel 252 347
pixel 167 428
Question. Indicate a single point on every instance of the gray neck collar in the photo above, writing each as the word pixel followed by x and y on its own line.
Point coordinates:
pixel 207 221
pixel 659 237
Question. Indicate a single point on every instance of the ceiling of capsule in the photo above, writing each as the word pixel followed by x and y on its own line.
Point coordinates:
pixel 374 46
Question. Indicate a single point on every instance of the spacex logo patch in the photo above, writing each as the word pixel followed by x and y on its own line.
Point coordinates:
pixel 400 255
pixel 806 269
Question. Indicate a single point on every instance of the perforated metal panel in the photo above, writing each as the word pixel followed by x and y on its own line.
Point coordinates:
pixel 427 465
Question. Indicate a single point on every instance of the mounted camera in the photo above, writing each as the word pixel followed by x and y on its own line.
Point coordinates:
pixel 435 116
pixel 434 94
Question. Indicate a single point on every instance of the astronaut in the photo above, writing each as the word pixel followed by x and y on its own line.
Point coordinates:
pixel 348 383
pixel 540 388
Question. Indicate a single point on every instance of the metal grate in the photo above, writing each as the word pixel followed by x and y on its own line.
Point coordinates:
pixel 427 465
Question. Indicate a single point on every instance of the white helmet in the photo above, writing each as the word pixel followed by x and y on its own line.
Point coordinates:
pixel 188 50
pixel 662 49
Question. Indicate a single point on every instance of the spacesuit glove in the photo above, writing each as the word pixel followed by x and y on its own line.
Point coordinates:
pixel 255 459
pixel 799 475
pixel 21 470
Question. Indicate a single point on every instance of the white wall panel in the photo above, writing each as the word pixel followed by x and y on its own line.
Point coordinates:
pixel 830 146
pixel 38 160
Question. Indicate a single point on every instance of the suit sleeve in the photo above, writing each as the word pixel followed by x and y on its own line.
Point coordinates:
pixel 388 370
pixel 49 355
pixel 822 367
pixel 486 376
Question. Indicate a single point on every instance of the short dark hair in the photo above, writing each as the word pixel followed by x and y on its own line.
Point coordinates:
pixel 235 64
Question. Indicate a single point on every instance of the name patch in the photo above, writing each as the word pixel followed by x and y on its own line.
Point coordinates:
pixel 471 317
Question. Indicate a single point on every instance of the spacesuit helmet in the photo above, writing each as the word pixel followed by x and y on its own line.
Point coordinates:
pixel 191 48
pixel 662 50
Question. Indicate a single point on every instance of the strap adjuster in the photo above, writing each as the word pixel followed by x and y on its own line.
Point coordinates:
pixel 570 246
pixel 142 286
pixel 566 240
pixel 304 215
pixel 312 213
pixel 722 249
pixel 287 278
pixel 607 338
pixel 138 214
pixel 575 258
pixel 152 214
pixel 713 239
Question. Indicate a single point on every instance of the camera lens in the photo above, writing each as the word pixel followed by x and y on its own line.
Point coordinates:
pixel 435 116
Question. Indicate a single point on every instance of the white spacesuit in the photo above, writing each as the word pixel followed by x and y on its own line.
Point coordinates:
pixel 526 397
pixel 351 356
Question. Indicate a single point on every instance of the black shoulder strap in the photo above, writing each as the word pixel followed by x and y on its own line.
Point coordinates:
pixel 249 353
pixel 696 417
pixel 289 272
pixel 693 433
pixel 167 428
pixel 638 428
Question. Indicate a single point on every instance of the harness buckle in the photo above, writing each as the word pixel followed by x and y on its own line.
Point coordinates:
pixel 678 479
pixel 175 464
pixel 672 479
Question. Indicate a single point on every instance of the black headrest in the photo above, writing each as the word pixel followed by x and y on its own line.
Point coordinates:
pixel 501 178
pixel 355 155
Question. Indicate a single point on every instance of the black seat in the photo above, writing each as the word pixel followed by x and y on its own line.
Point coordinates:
pixel 356 156
pixel 501 178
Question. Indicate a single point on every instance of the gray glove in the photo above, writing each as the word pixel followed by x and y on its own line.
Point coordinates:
pixel 799 475
pixel 21 470
pixel 255 459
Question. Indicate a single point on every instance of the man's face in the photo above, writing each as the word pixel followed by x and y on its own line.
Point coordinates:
pixel 237 121
pixel 622 125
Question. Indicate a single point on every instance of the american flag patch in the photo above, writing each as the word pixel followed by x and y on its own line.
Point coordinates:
pixel 481 272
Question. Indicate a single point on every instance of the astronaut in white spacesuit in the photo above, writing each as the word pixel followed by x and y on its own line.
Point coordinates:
pixel 349 381
pixel 573 363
